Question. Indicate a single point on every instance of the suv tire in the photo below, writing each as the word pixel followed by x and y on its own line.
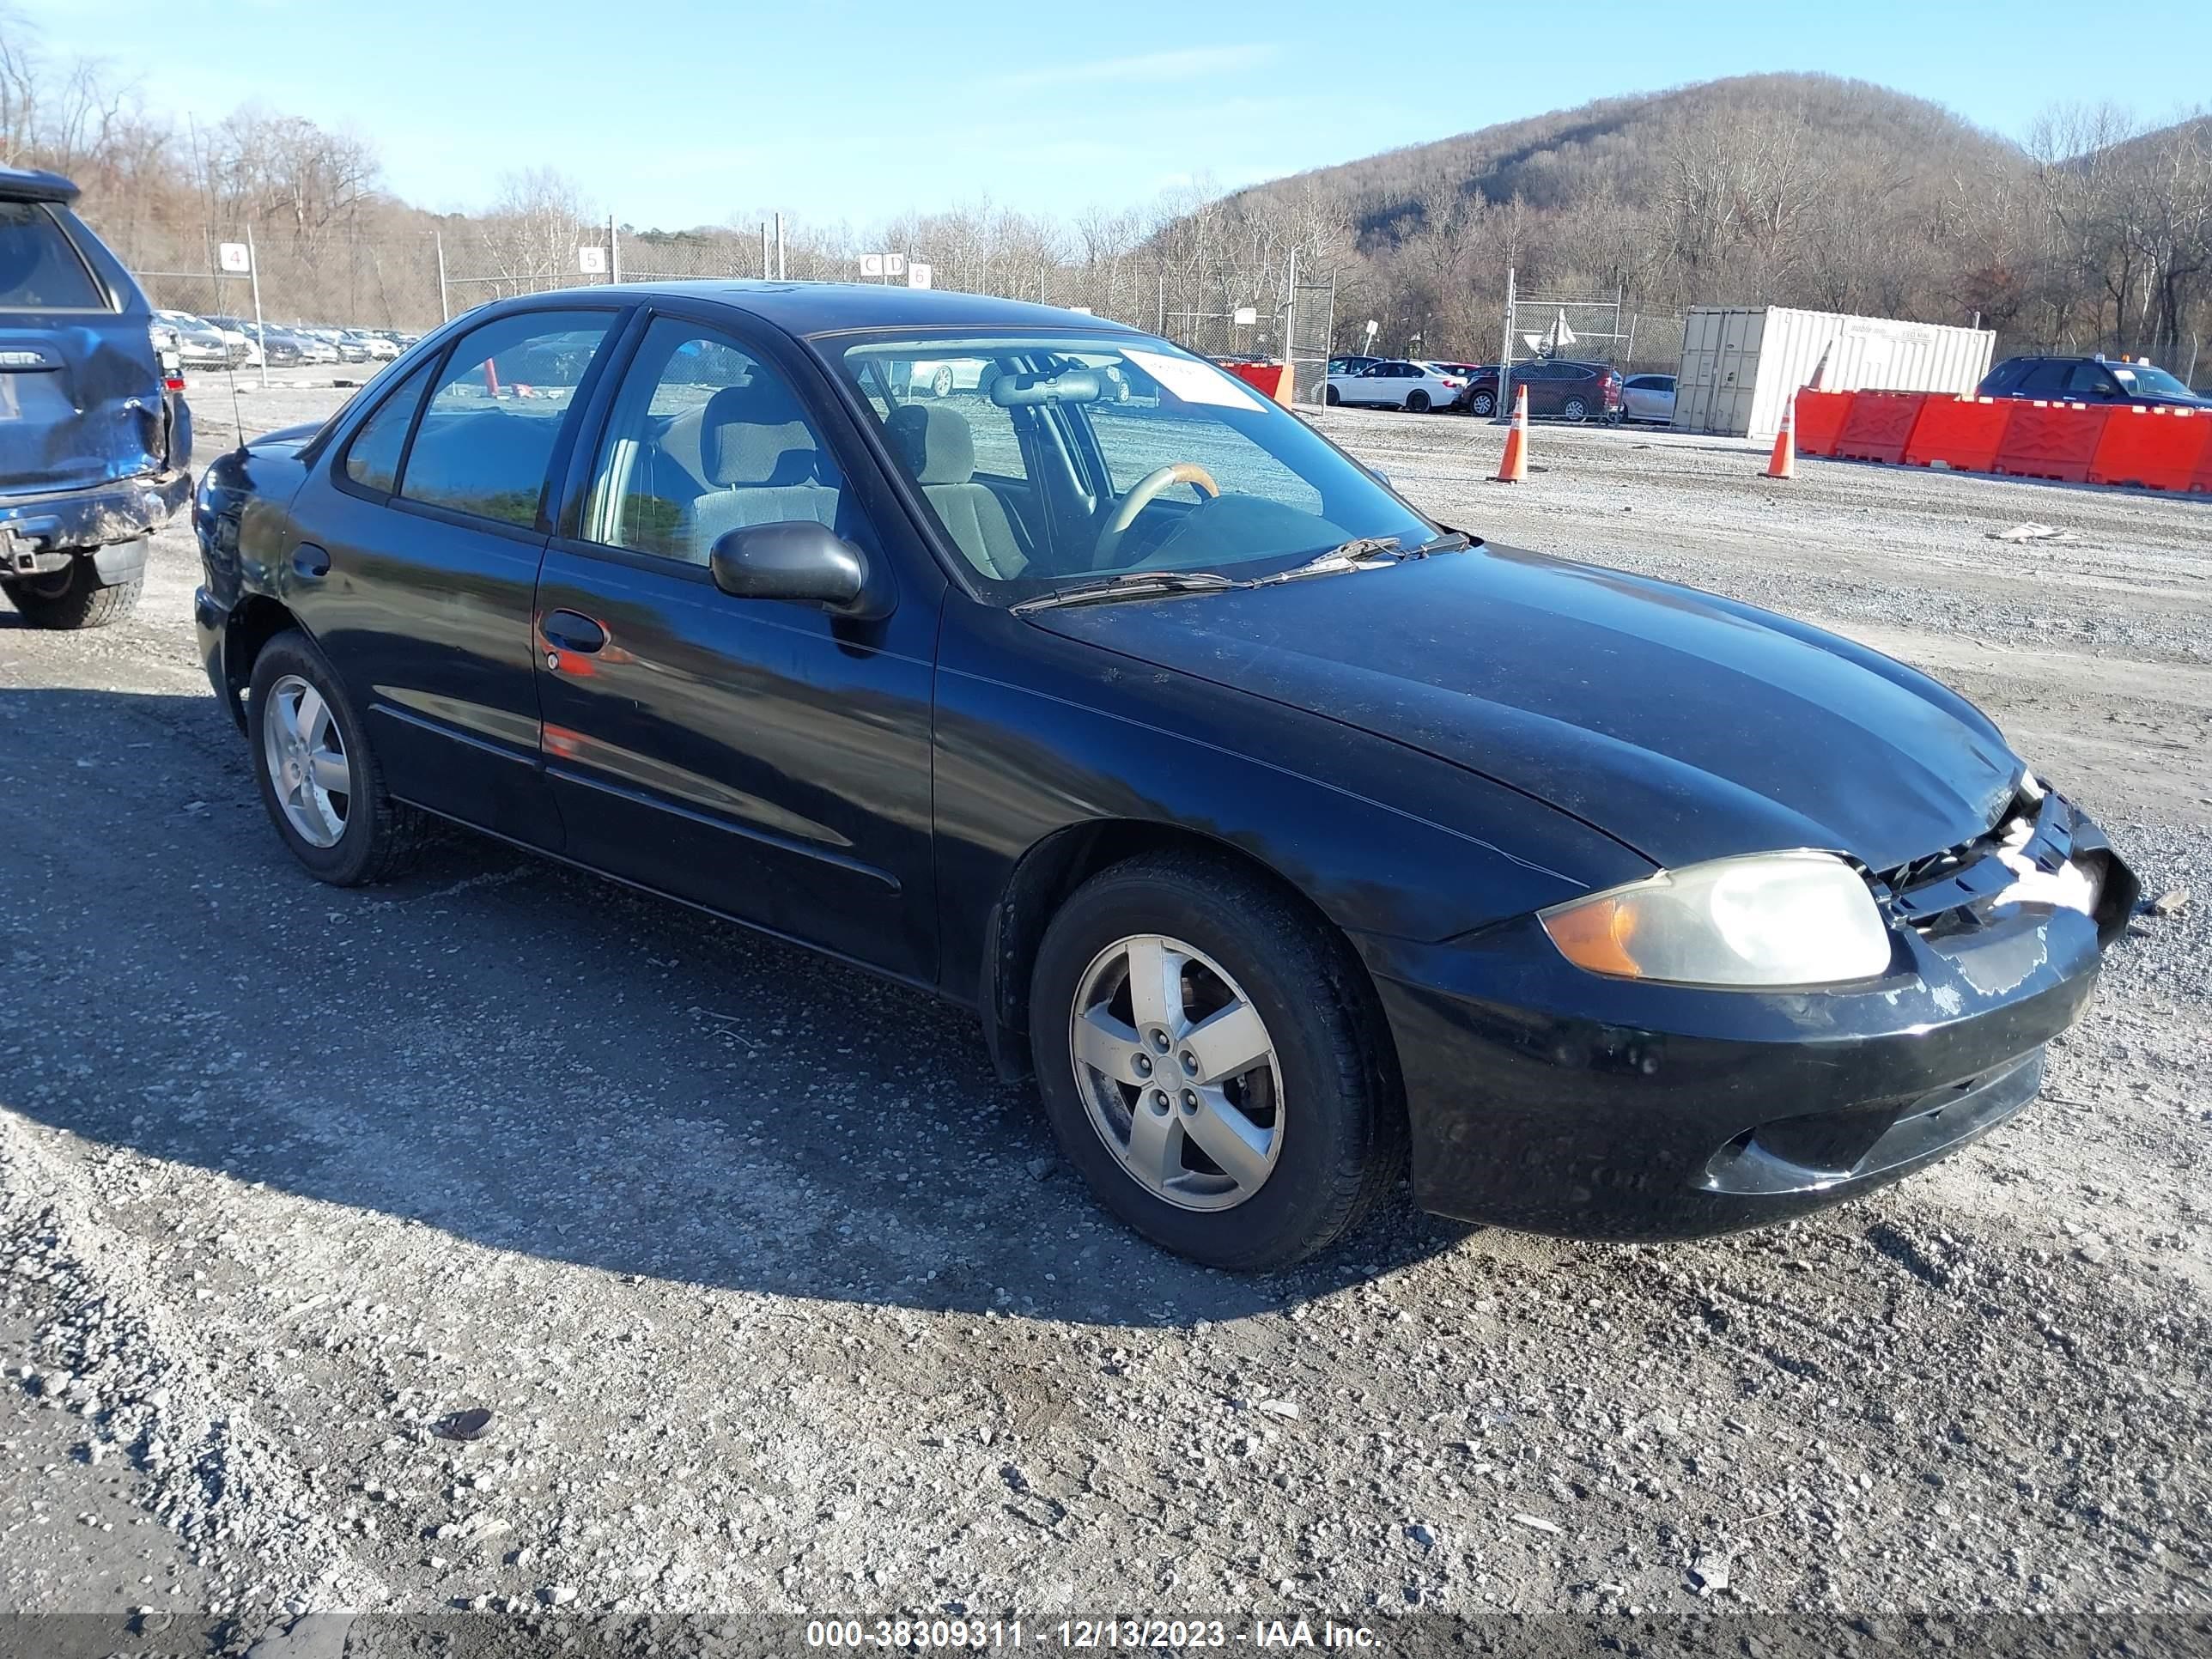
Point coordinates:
pixel 73 597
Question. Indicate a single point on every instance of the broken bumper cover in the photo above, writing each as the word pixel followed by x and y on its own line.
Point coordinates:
pixel 1548 1099
pixel 40 533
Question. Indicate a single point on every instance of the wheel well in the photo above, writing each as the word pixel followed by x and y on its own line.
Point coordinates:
pixel 255 622
pixel 1052 869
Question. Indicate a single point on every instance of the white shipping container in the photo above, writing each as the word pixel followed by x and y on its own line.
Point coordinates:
pixel 1741 364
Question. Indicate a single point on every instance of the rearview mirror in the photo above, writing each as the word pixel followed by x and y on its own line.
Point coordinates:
pixel 800 561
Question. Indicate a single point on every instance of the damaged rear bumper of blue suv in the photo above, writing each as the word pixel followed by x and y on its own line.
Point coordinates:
pixel 95 443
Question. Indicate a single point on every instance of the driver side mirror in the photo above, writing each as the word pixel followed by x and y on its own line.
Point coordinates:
pixel 802 563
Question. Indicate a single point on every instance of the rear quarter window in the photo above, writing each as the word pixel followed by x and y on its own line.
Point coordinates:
pixel 40 271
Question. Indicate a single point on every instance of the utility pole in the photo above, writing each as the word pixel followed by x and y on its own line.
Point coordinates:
pixel 765 272
pixel 614 252
pixel 445 306
pixel 779 248
pixel 1505 355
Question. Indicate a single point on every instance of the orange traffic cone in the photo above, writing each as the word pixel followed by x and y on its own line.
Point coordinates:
pixel 1784 464
pixel 1514 468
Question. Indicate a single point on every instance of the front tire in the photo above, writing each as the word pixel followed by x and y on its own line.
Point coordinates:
pixel 319 781
pixel 73 597
pixel 1212 1063
pixel 941 384
pixel 1483 403
pixel 1574 409
pixel 1328 396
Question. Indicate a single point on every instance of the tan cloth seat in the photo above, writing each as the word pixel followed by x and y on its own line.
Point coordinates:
pixel 759 455
pixel 940 450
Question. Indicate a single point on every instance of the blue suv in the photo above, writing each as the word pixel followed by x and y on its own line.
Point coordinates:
pixel 95 443
pixel 2090 381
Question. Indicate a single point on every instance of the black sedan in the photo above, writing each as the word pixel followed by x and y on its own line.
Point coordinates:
pixel 1274 829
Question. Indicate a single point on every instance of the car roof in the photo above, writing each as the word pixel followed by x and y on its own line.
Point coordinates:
pixel 34 185
pixel 807 309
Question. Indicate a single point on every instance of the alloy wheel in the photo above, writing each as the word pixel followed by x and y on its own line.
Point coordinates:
pixel 305 757
pixel 1576 409
pixel 1177 1072
pixel 940 385
pixel 1483 403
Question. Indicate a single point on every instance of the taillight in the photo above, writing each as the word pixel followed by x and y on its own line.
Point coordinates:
pixel 1448 381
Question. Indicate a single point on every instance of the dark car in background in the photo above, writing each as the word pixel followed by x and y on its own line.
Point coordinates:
pixel 95 438
pixel 1558 389
pixel 2093 379
pixel 280 347
pixel 1271 827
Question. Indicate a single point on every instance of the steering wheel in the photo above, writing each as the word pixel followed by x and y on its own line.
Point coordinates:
pixel 1142 493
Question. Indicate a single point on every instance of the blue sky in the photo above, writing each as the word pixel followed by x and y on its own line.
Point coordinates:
pixel 675 113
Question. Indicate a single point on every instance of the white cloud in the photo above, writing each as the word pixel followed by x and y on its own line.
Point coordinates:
pixel 1148 69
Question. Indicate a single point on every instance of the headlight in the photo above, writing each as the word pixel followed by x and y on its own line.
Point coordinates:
pixel 1770 920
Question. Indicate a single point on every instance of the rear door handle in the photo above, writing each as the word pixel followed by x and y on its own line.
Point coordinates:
pixel 310 563
pixel 571 630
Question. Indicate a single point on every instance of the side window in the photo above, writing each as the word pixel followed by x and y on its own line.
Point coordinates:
pixel 489 431
pixel 2046 378
pixel 2091 381
pixel 372 459
pixel 705 438
pixel 39 269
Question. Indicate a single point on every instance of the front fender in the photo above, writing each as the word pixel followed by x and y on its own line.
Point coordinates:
pixel 1036 734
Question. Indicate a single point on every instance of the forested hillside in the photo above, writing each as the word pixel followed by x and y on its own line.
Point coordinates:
pixel 1778 189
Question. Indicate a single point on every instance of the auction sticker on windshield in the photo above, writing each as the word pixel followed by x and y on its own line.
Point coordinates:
pixel 1193 382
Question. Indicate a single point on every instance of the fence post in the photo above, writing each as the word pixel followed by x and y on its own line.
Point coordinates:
pixel 445 306
pixel 614 252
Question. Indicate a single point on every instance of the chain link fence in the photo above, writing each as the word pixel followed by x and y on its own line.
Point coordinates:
pixel 414 281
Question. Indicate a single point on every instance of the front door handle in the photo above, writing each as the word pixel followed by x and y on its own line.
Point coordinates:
pixel 571 630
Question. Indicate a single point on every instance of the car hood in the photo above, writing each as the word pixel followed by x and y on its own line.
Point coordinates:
pixel 1685 726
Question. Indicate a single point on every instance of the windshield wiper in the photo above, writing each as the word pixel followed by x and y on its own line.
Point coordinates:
pixel 1348 556
pixel 1132 585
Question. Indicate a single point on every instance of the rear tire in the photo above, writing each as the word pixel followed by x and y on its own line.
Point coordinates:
pixel 73 597
pixel 379 836
pixel 1327 1098
pixel 941 384
pixel 1418 402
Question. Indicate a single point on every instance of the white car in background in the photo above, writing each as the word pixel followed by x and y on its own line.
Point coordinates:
pixel 1648 397
pixel 1397 383
pixel 940 377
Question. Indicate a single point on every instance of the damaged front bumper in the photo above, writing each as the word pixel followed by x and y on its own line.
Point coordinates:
pixel 1554 1101
pixel 42 533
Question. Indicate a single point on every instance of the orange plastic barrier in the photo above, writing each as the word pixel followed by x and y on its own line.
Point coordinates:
pixel 1820 416
pixel 2050 441
pixel 1879 426
pixel 1963 433
pixel 1271 378
pixel 2157 448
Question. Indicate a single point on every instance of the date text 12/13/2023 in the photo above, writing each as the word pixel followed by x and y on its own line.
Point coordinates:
pixel 1083 1635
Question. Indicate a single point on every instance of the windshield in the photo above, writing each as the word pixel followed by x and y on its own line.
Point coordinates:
pixel 2141 377
pixel 1055 459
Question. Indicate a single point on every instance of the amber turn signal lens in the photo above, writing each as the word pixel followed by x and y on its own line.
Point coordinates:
pixel 1595 937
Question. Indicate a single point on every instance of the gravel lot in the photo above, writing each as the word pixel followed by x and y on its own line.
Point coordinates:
pixel 781 1301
